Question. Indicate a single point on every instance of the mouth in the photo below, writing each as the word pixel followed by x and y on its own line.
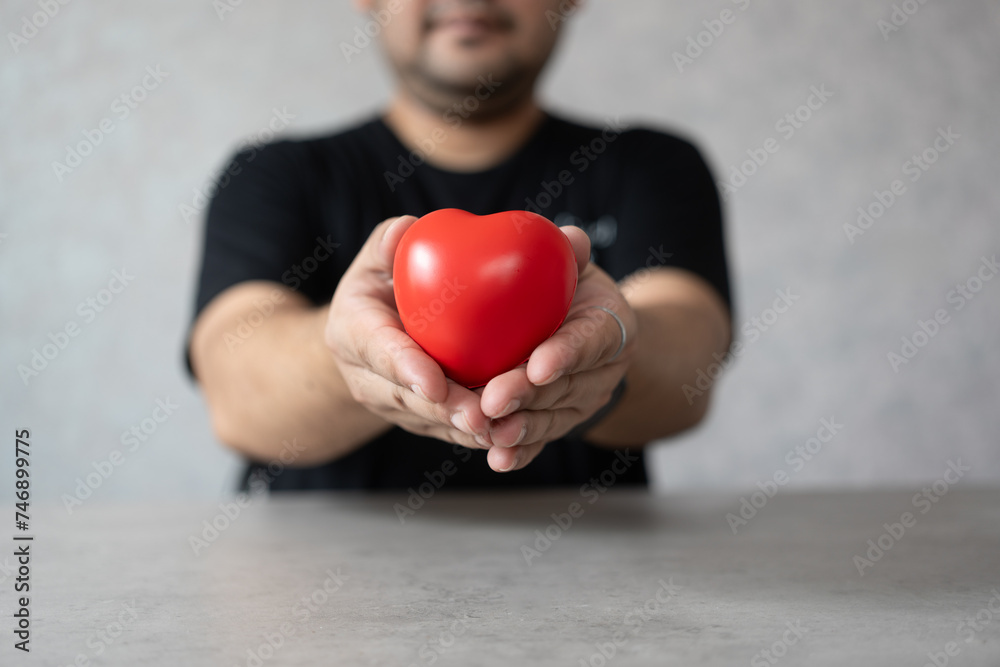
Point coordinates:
pixel 467 23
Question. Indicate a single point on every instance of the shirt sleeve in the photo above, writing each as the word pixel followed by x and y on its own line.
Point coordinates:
pixel 256 225
pixel 669 213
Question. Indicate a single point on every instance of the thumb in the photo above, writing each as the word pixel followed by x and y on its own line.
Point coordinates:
pixel 581 245
pixel 386 237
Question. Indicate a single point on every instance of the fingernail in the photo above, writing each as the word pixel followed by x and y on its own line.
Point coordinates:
pixel 509 408
pixel 480 440
pixel 552 378
pixel 517 460
pixel 461 423
pixel 393 224
pixel 524 432
pixel 385 234
pixel 415 388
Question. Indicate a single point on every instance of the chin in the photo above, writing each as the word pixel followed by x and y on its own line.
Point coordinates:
pixel 458 68
pixel 460 78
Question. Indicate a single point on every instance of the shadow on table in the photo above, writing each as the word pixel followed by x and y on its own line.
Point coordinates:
pixel 613 509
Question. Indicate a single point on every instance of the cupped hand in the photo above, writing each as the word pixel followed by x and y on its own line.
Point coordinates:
pixel 385 370
pixel 568 377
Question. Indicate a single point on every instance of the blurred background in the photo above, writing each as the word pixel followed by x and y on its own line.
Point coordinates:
pixel 98 253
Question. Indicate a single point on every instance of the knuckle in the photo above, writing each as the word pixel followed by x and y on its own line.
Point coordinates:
pixel 359 393
pixel 439 414
pixel 376 361
pixel 398 400
pixel 558 394
pixel 467 441
pixel 363 349
pixel 550 418
pixel 380 358
pixel 570 391
pixel 537 426
pixel 454 436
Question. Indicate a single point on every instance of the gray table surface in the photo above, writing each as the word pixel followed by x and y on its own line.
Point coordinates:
pixel 648 580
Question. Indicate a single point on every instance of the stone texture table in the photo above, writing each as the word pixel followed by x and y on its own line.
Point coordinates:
pixel 565 577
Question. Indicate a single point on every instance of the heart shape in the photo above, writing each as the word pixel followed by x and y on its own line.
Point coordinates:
pixel 479 293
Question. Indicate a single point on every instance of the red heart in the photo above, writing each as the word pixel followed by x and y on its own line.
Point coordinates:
pixel 479 293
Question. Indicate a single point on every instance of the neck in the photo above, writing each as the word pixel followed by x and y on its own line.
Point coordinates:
pixel 462 144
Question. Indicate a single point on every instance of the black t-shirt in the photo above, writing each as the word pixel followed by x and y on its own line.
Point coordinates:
pixel 645 198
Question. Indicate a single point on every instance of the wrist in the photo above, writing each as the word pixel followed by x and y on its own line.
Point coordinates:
pixel 579 431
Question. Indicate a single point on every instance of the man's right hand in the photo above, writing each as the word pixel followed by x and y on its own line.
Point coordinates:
pixel 385 370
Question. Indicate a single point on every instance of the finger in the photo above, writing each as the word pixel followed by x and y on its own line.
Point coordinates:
pixel 458 412
pixel 512 391
pixel 581 245
pixel 412 424
pixel 379 249
pixel 379 344
pixel 587 340
pixel 369 277
pixel 515 458
pixel 465 413
pixel 527 426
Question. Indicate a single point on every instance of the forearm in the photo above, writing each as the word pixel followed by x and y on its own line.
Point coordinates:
pixel 678 332
pixel 278 385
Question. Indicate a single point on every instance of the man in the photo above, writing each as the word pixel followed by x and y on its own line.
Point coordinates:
pixel 297 343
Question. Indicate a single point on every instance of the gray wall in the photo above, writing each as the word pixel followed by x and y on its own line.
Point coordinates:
pixel 826 357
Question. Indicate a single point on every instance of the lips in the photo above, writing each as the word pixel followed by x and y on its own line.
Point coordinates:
pixel 467 21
